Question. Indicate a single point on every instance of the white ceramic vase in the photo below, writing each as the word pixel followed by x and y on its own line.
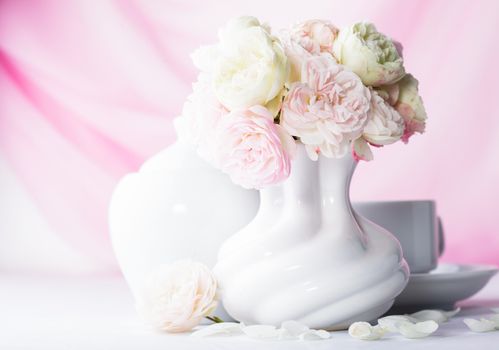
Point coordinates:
pixel 307 256
pixel 176 207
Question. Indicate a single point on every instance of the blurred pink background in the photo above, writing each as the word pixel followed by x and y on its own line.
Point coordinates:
pixel 88 90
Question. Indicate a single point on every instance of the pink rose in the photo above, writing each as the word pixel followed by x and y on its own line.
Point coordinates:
pixel 327 109
pixel 315 36
pixel 202 112
pixel 252 149
pixel 306 39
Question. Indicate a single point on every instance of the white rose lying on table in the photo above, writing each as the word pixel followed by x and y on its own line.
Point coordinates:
pixel 176 297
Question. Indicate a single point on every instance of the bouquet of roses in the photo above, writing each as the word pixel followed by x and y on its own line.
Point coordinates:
pixel 333 90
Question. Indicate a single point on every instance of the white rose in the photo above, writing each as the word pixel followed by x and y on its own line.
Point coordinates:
pixel 201 114
pixel 369 53
pixel 410 106
pixel 176 297
pixel 384 124
pixel 239 24
pixel 248 66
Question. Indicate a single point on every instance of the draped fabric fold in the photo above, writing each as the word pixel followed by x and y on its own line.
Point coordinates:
pixel 88 90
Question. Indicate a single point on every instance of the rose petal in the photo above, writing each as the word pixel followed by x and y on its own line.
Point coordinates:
pixel 390 323
pixel 361 150
pixel 225 328
pixel 452 313
pixel 364 331
pixel 379 329
pixel 288 143
pixel 284 334
pixel 312 152
pixel 313 334
pixel 482 325
pixel 494 318
pixel 294 328
pixel 438 316
pixel 417 330
pixel 261 331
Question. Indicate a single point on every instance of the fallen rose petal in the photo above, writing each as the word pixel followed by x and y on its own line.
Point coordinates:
pixel 479 326
pixel 390 323
pixel 313 334
pixel 284 334
pixel 294 328
pixel 379 329
pixel 364 331
pixel 261 331
pixel 225 328
pixel 438 316
pixel 494 318
pixel 452 313
pixel 417 330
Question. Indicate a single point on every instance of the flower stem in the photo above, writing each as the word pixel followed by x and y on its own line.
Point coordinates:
pixel 215 319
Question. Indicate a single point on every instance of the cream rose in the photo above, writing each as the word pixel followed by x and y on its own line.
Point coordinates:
pixel 176 297
pixel 200 116
pixel 369 53
pixel 410 105
pixel 248 66
pixel 384 124
pixel 390 93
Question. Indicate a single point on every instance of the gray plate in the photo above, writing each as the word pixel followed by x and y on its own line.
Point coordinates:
pixel 444 286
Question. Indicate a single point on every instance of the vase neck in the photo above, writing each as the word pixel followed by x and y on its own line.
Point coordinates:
pixel 335 176
pixel 324 182
pixel 300 188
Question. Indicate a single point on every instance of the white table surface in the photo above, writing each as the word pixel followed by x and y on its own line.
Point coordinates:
pixel 97 313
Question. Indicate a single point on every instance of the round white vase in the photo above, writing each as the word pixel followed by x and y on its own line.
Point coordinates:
pixel 307 256
pixel 176 207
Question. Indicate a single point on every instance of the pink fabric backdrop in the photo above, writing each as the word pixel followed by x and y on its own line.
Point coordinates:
pixel 88 90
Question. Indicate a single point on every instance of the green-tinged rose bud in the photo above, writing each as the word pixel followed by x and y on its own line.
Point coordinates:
pixel 410 106
pixel 369 53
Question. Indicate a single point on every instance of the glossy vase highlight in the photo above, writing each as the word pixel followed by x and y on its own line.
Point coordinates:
pixel 307 256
